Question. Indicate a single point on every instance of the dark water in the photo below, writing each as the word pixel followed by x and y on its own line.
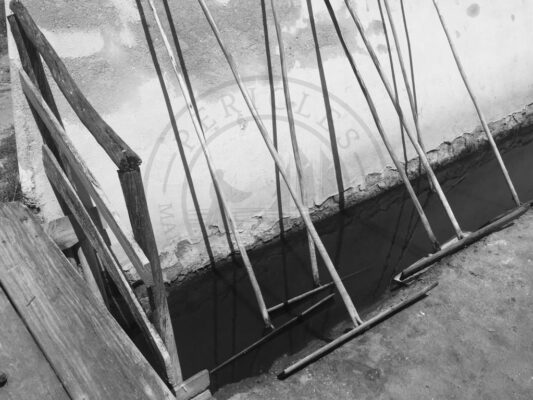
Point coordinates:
pixel 215 315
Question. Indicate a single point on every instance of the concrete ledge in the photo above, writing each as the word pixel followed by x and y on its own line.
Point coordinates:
pixel 189 258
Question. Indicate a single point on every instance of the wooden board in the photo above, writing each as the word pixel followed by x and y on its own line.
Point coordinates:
pixel 91 355
pixel 193 386
pixel 30 377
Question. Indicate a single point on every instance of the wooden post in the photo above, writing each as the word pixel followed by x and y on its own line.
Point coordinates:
pixel 133 189
pixel 350 307
pixel 294 139
pixel 423 158
pixel 482 119
pixel 32 65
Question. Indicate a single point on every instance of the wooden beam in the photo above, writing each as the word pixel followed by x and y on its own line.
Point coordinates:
pixel 203 396
pixel 119 152
pixel 62 231
pixel 133 189
pixel 89 352
pixel 86 179
pixel 89 277
pixel 66 191
pixel 193 386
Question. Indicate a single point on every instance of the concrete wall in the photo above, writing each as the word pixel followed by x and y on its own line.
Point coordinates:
pixel 103 45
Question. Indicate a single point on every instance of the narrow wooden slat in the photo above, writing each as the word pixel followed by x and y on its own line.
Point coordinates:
pixel 193 386
pixel 30 376
pixel 119 152
pixel 133 189
pixel 85 177
pixel 89 352
pixel 62 231
pixel 32 65
pixel 63 187
pixel 89 277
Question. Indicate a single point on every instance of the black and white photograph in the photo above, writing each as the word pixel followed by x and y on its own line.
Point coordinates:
pixel 266 199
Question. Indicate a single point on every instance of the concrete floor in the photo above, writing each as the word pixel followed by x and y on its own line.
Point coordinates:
pixel 470 339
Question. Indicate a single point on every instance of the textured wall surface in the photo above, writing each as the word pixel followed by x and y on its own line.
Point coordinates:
pixel 103 45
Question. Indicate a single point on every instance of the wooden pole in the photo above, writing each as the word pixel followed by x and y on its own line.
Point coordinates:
pixel 423 158
pixel 327 106
pixel 269 336
pixel 394 83
pixel 329 347
pixel 418 267
pixel 382 133
pixel 480 114
pixel 354 316
pixel 294 139
pixel 133 189
pixel 410 95
pixel 212 170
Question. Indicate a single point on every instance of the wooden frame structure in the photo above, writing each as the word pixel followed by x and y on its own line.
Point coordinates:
pixel 79 194
pixel 77 190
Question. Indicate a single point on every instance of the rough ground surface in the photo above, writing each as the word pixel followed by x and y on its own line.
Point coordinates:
pixel 470 339
pixel 9 186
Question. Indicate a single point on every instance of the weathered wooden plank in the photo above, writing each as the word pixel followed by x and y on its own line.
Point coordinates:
pixel 89 352
pixel 32 65
pixel 203 396
pixel 133 189
pixel 63 187
pixel 86 178
pixel 89 277
pixel 121 154
pixel 29 375
pixel 62 231
pixel 193 386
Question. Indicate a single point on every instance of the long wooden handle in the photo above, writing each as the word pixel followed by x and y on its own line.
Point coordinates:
pixel 275 156
pixel 480 114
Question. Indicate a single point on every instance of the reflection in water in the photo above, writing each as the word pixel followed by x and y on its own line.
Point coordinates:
pixel 215 314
